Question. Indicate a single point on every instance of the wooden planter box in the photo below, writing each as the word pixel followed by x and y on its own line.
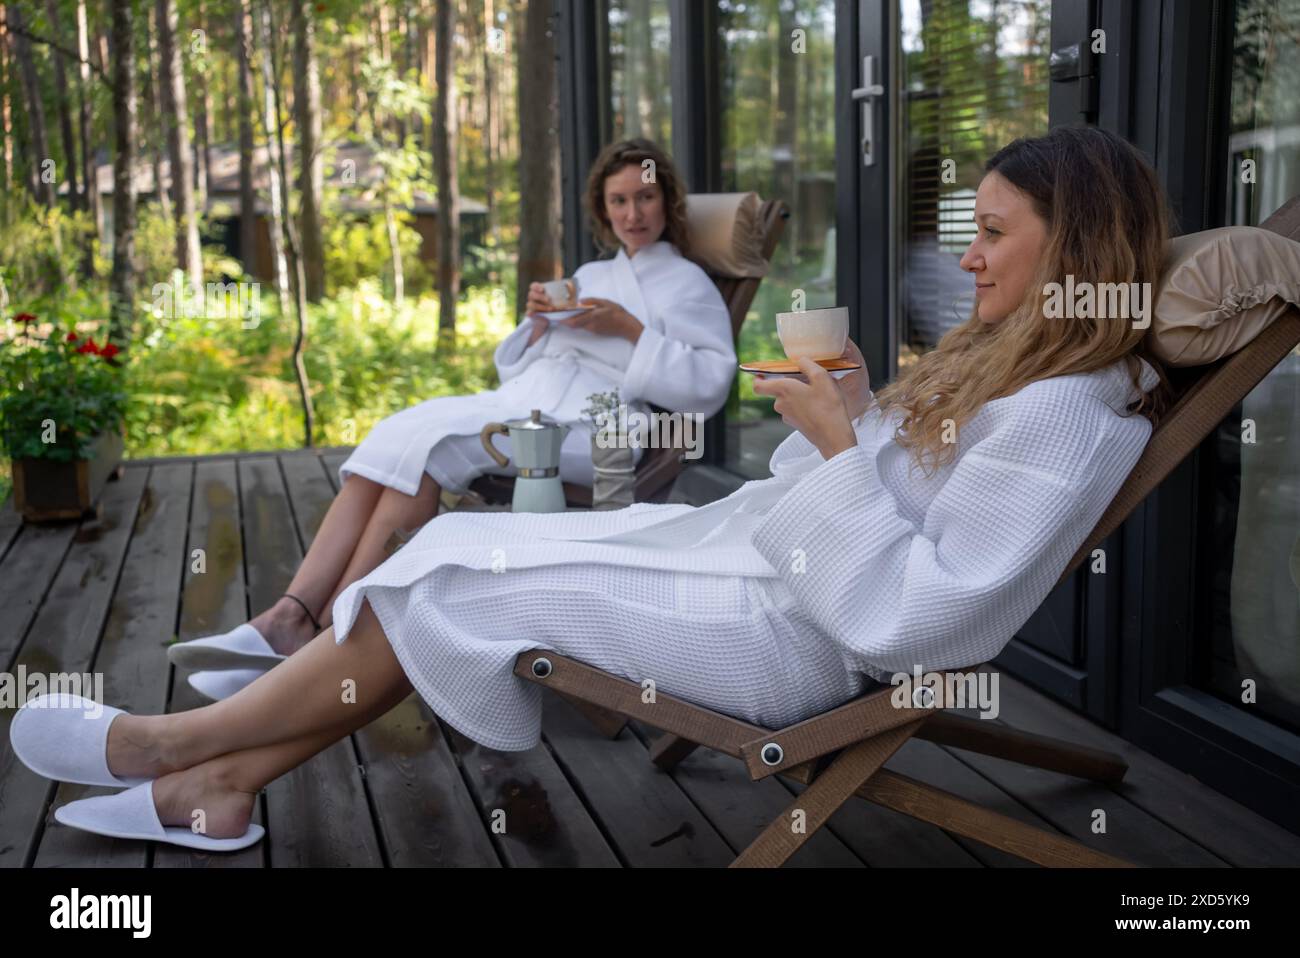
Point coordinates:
pixel 45 490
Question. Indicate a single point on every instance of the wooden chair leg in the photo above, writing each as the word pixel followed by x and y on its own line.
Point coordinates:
pixel 954 814
pixel 976 735
pixel 607 723
pixel 668 749
pixel 1027 748
pixel 842 778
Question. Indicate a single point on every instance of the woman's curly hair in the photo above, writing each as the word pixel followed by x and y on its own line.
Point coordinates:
pixel 652 161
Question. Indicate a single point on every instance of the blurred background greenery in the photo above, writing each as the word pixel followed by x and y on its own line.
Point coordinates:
pixel 207 384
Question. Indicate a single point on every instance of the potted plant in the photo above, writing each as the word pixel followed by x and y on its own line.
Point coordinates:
pixel 62 407
pixel 614 478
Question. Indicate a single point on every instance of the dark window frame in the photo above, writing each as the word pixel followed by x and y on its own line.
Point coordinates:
pixel 586 123
pixel 1168 93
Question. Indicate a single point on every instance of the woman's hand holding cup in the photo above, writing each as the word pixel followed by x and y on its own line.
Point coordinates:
pixel 819 405
pixel 551 296
pixel 814 405
pixel 538 301
pixel 855 386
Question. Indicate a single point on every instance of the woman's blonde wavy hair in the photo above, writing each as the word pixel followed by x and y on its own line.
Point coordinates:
pixel 1107 222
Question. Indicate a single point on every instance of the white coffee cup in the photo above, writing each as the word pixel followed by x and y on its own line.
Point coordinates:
pixel 563 293
pixel 815 333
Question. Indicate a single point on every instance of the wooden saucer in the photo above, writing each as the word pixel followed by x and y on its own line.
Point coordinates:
pixel 788 367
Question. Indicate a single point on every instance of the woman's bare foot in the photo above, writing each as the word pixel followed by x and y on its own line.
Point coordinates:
pixel 286 626
pixel 206 799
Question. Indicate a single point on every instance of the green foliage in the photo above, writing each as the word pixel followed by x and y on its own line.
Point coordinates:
pixel 357 248
pixel 490 265
pixel 204 385
pixel 207 384
pixel 49 373
pixel 155 251
pixel 32 263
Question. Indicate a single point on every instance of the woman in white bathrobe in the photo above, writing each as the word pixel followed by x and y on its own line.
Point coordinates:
pixel 659 333
pixel 780 601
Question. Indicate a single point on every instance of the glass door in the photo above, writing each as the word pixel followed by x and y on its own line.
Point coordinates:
pixel 640 85
pixel 971 78
pixel 941 86
pixel 952 82
pixel 1249 639
pixel 778 137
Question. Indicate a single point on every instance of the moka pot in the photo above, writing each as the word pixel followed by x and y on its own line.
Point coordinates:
pixel 535 443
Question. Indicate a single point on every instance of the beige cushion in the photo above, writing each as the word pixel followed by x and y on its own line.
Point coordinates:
pixel 1220 289
pixel 727 233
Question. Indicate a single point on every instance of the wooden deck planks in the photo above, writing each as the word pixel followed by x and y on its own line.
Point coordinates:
pixel 212 600
pixel 1235 834
pixel 646 816
pixel 424 813
pixel 131 655
pixel 64 638
pixel 317 813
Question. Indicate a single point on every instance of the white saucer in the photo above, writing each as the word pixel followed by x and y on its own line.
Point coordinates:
pixel 560 314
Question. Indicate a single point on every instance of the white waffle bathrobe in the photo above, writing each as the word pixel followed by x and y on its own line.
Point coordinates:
pixel 684 361
pixel 770 604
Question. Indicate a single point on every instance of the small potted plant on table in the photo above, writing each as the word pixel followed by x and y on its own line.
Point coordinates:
pixel 614 485
pixel 61 412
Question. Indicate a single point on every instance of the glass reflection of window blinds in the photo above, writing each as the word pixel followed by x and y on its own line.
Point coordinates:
pixel 974 78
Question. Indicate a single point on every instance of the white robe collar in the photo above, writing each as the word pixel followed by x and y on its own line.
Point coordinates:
pixel 629 273
pixel 649 252
pixel 1116 389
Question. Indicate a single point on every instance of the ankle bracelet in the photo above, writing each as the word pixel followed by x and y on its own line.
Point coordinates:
pixel 314 623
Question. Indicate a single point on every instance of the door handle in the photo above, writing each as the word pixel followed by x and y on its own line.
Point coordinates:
pixel 866 95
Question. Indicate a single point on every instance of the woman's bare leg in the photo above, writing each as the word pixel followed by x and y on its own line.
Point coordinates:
pixel 351 543
pixel 319 695
pixel 395 512
pixel 285 625
pixel 225 788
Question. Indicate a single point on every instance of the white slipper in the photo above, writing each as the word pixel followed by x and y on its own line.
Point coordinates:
pixel 240 648
pixel 131 814
pixel 223 683
pixel 65 738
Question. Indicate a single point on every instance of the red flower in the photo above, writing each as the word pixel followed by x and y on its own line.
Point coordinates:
pixel 24 318
pixel 109 351
pixel 89 347
pixel 72 337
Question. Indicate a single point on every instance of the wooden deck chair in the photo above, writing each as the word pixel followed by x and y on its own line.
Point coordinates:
pixel 735 236
pixel 840 753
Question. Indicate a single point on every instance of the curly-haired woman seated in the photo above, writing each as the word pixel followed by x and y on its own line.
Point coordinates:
pixel 658 331
pixel 919 526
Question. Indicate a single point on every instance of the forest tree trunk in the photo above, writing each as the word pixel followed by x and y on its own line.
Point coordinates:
pixel 173 107
pixel 445 166
pixel 311 177
pixel 122 284
pixel 273 144
pixel 538 164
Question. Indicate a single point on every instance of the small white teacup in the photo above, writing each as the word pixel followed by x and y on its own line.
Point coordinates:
pixel 563 293
pixel 815 333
